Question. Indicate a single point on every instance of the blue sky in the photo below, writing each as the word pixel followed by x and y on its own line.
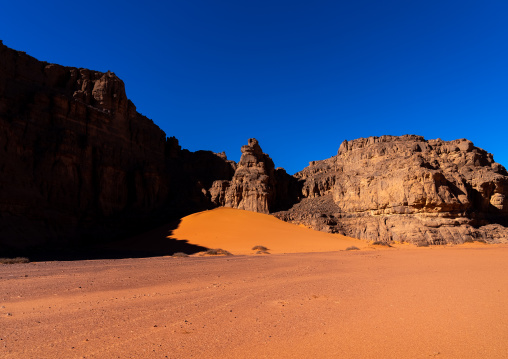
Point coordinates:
pixel 300 76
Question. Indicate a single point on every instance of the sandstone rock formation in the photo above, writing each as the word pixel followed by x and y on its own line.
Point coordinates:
pixel 78 163
pixel 256 185
pixel 253 184
pixel 406 189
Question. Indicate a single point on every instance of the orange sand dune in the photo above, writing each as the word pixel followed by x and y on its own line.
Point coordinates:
pixel 239 231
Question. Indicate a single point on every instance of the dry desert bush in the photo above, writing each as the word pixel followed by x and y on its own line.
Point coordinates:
pixel 180 255
pixel 14 260
pixel 381 243
pixel 262 252
pixel 217 252
pixel 259 248
pixel 422 243
pixel 352 248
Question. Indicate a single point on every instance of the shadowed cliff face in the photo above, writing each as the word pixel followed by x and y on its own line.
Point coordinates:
pixel 78 163
pixel 406 189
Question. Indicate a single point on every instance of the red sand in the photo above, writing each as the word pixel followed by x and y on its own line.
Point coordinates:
pixel 395 303
pixel 239 231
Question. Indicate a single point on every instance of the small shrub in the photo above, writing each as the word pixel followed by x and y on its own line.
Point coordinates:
pixel 352 248
pixel 262 252
pixel 422 244
pixel 14 260
pixel 468 240
pixel 259 248
pixel 380 243
pixel 217 252
pixel 180 255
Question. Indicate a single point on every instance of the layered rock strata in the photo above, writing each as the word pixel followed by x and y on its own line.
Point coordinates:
pixel 406 189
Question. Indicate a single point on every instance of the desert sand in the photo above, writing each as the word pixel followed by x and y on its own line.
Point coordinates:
pixel 238 231
pixel 402 302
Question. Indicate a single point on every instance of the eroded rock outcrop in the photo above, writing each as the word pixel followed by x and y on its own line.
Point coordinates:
pixel 253 184
pixel 256 185
pixel 79 164
pixel 406 189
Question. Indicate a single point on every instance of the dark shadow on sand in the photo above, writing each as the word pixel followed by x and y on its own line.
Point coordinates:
pixel 154 243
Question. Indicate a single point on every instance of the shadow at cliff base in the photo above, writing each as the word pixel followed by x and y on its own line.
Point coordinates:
pixel 153 243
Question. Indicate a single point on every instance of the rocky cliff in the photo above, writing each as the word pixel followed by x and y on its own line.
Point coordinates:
pixel 79 164
pixel 406 189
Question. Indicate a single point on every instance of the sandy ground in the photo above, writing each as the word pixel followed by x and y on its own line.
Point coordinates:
pixel 239 231
pixel 406 302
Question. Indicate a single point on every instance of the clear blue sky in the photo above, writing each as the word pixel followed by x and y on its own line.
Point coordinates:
pixel 300 76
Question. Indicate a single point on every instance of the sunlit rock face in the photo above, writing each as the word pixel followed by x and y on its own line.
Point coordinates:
pixel 253 184
pixel 256 185
pixel 405 189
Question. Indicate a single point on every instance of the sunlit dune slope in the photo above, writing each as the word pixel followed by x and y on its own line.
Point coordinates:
pixel 238 231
